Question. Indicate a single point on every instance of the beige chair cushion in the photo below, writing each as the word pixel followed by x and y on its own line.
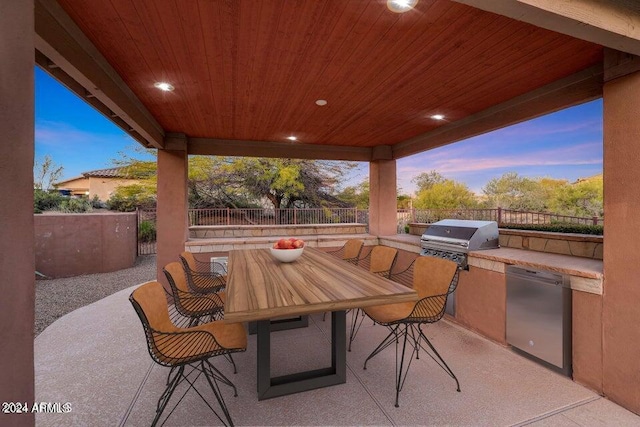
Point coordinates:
pixel 390 312
pixel 431 276
pixel 382 258
pixel 178 275
pixel 352 249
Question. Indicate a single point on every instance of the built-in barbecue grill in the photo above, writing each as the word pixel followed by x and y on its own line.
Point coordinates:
pixel 453 238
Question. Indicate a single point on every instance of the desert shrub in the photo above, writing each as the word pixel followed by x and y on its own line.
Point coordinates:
pixel 147 231
pixel 96 203
pixel 75 206
pixel 46 201
pixel 129 203
pixel 559 228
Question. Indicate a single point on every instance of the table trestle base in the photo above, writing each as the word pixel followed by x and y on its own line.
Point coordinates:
pixel 269 387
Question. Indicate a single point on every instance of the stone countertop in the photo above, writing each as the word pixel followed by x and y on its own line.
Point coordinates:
pixel 565 264
pixel 585 273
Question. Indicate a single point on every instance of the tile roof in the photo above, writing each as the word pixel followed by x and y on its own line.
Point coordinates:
pixel 119 172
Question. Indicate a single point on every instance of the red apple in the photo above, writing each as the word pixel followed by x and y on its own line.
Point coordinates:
pixel 299 243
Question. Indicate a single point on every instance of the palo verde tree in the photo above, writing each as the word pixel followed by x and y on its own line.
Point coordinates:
pixel 246 182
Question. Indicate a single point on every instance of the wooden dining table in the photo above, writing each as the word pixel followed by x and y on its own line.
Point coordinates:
pixel 261 288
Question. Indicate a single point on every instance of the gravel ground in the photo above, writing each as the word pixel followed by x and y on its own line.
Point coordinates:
pixel 57 297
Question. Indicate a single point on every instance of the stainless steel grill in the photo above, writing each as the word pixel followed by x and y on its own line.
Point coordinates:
pixel 453 239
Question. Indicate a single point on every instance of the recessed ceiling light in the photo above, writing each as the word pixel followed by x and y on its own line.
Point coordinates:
pixel 292 138
pixel 401 6
pixel 164 86
pixel 321 102
pixel 437 117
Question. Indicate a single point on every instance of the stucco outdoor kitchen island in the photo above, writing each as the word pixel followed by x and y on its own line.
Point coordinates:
pixel 260 288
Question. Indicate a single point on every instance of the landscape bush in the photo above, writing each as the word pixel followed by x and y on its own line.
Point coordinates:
pixel 147 231
pixel 45 200
pixel 558 228
pixel 75 206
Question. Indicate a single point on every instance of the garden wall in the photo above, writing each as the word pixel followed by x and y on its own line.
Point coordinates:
pixel 74 244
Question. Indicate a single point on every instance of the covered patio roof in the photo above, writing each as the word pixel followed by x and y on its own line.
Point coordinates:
pixel 247 74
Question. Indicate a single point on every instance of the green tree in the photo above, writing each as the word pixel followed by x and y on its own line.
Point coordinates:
pixel 583 198
pixel 513 191
pixel 242 182
pixel 426 180
pixel 447 194
pixel 357 195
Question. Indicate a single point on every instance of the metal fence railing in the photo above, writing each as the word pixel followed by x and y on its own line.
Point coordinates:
pixel 501 216
pixel 228 216
pixel 146 231
pixel 260 217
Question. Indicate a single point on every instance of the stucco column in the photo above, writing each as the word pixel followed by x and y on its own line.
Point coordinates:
pixel 172 207
pixel 382 198
pixel 17 265
pixel 621 298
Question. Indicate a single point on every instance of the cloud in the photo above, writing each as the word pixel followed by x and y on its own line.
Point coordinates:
pixel 534 129
pixel 63 136
pixel 452 162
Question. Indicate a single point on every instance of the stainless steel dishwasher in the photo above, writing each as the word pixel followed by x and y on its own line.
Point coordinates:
pixel 539 315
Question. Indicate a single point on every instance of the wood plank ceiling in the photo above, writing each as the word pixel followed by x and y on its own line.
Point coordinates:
pixel 253 69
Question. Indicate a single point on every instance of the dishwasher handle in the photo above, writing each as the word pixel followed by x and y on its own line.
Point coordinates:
pixel 532 275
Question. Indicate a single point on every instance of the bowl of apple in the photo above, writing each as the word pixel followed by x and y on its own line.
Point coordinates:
pixel 287 250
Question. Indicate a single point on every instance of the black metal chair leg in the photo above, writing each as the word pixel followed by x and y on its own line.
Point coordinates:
pixel 355 325
pixel 399 381
pixel 444 365
pixel 229 357
pixel 166 395
pixel 213 371
pixel 211 379
pixel 389 339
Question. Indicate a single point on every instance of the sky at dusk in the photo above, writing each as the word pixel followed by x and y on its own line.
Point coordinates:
pixel 562 145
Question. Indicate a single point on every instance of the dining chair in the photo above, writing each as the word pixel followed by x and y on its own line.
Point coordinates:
pixel 181 348
pixel 192 305
pixel 434 279
pixel 403 275
pixel 380 261
pixel 203 277
pixel 350 251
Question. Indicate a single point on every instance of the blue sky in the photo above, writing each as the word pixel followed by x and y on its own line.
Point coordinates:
pixel 563 145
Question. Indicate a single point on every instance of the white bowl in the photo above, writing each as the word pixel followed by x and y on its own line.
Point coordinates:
pixel 286 255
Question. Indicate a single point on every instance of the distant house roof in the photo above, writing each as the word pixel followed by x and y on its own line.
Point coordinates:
pixel 120 172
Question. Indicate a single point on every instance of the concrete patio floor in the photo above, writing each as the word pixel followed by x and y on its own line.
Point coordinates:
pixel 96 359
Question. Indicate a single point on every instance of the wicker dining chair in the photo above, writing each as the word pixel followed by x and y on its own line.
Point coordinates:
pixel 203 277
pixel 434 279
pixel 380 261
pixel 182 348
pixel 192 304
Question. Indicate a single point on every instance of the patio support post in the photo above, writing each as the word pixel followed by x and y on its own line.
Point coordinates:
pixel 17 264
pixel 382 198
pixel 172 227
pixel 621 256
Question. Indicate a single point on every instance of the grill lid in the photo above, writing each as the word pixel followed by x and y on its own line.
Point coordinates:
pixel 461 235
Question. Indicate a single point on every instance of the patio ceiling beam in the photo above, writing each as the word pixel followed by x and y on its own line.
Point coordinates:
pixel 228 147
pixel 611 23
pixel 60 40
pixel 576 89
